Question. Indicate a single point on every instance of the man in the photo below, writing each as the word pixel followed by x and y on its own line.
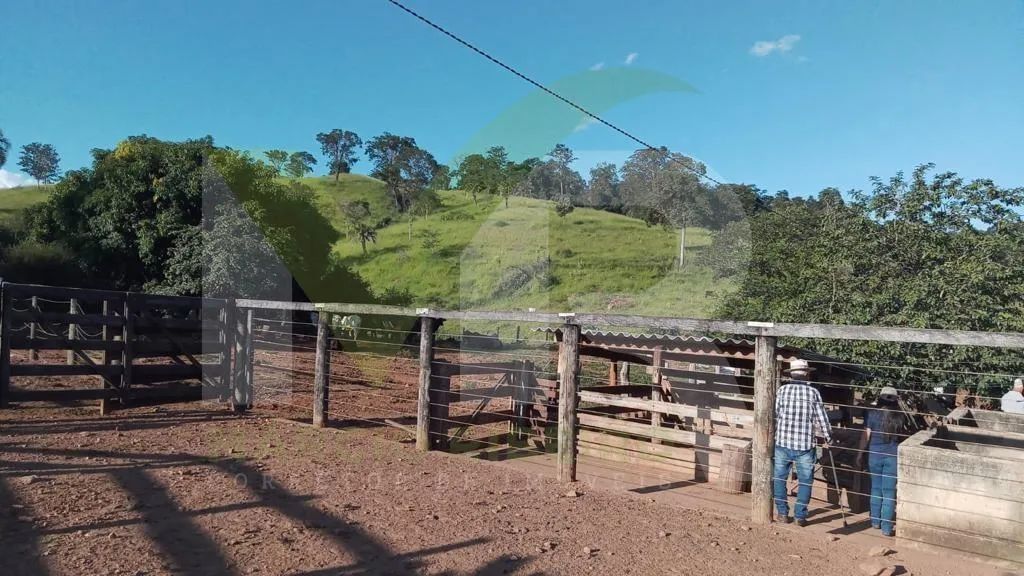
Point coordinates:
pixel 798 411
pixel 1013 401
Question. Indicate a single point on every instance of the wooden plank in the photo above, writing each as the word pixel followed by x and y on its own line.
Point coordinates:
pixel 666 408
pixel 664 451
pixel 321 377
pixel 615 355
pixel 169 347
pixel 480 393
pixel 65 318
pixel 676 470
pixel 692 325
pixel 727 379
pixel 666 434
pixel 165 301
pixel 426 378
pixel 568 401
pixel 489 417
pixel 23 343
pixel 241 367
pixel 766 381
pixel 228 327
pixel 439 412
pixel 62 370
pixel 182 393
pixel 633 390
pixel 151 372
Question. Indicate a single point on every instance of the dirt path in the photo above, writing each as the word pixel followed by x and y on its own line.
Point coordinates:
pixel 184 490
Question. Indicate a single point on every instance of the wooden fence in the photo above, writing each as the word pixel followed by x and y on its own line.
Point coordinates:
pixel 134 344
pixel 229 324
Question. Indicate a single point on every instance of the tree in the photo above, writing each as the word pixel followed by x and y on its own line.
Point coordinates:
pixel 925 251
pixel 168 217
pixel 665 188
pixel 299 164
pixel 277 159
pixel 5 145
pixel 40 161
pixel 603 188
pixel 474 175
pixel 358 220
pixel 442 178
pixel 405 168
pixel 339 146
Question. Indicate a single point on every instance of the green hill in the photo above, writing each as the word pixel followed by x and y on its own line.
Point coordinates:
pixel 487 256
pixel 14 200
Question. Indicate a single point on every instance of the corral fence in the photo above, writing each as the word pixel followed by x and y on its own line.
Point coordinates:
pixel 960 476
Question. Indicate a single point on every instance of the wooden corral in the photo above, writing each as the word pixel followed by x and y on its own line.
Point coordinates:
pixel 138 346
pixel 692 411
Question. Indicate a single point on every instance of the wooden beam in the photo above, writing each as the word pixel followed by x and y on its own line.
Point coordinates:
pixel 22 343
pixel 33 353
pixel 241 384
pixel 568 401
pixel 322 374
pixel 72 328
pixel 662 408
pixel 128 350
pixel 62 370
pixel 644 430
pixel 31 315
pixel 656 395
pixel 105 404
pixel 766 381
pixel 59 293
pixel 424 393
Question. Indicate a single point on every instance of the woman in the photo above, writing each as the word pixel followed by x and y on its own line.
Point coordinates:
pixel 884 429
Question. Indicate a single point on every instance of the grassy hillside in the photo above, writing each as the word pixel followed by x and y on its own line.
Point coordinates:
pixel 486 256
pixel 14 200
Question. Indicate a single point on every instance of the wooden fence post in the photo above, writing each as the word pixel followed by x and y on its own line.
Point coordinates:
pixel 228 338
pixel 568 400
pixel 105 336
pixel 72 330
pixel 766 382
pixel 426 373
pixel 33 354
pixel 656 417
pixel 5 345
pixel 241 388
pixel 127 347
pixel 322 373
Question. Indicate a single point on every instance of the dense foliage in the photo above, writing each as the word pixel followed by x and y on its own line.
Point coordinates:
pixel 187 218
pixel 924 252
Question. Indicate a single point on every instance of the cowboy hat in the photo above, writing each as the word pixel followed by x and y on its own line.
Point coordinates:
pixel 799 365
pixel 888 392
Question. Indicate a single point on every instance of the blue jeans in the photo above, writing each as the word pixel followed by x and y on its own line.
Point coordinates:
pixel 883 491
pixel 804 462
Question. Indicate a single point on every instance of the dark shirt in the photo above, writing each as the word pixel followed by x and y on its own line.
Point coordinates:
pixel 878 444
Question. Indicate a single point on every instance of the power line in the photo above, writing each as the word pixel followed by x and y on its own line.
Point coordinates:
pixel 542 87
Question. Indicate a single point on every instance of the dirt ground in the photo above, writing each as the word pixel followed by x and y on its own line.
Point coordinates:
pixel 193 489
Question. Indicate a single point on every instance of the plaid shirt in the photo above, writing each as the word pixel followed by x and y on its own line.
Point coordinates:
pixel 798 409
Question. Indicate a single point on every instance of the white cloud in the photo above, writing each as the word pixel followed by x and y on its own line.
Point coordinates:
pixel 13 179
pixel 763 48
pixel 631 57
pixel 597 66
pixel 585 123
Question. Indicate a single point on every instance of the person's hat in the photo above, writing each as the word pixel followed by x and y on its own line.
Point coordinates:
pixel 799 365
pixel 888 392
pixel 1018 381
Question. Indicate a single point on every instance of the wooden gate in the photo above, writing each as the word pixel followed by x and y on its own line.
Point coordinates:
pixel 137 346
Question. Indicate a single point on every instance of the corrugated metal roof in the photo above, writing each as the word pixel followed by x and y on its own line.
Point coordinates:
pixel 655 337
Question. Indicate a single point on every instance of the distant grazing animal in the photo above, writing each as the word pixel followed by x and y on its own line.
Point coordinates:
pixel 352 324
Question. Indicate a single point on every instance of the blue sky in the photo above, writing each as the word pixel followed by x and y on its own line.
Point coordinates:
pixel 794 95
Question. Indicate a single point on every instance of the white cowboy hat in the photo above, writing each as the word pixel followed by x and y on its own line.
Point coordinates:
pixel 799 365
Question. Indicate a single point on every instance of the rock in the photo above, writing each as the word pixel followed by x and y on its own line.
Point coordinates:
pixel 880 551
pixel 833 538
pixel 663 534
pixel 588 551
pixel 548 545
pixel 572 494
pixel 745 528
pixel 29 479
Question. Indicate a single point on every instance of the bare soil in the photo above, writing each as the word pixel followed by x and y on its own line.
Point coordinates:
pixel 193 489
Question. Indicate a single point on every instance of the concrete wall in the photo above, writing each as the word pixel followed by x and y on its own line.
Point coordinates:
pixel 987 420
pixel 963 488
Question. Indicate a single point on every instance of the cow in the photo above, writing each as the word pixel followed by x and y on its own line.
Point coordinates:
pixel 352 323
